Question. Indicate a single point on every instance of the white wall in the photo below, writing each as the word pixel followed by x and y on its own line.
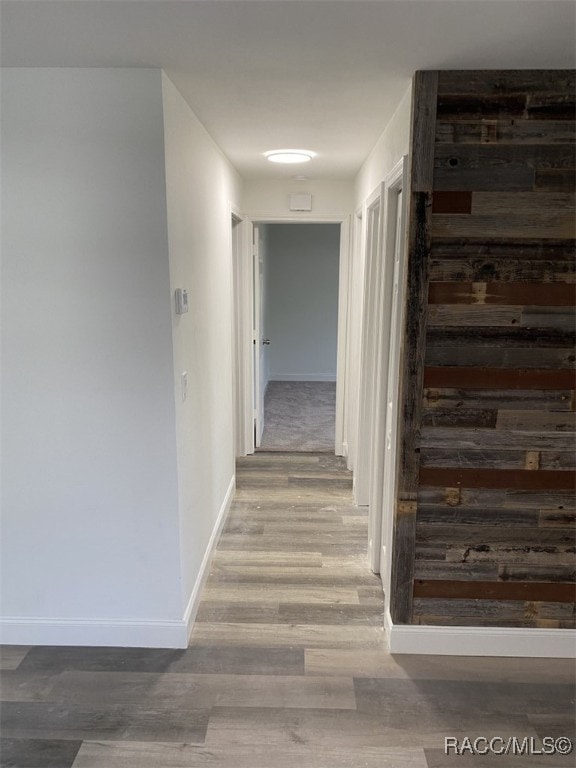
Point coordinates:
pixel 302 301
pixel 90 509
pixel 266 197
pixel 201 185
pixel 392 145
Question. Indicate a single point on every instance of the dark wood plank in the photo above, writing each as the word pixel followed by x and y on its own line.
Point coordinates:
pixel 554 180
pixel 506 131
pixel 496 590
pixel 534 294
pixel 503 248
pixel 498 378
pixel 541 338
pixel 412 370
pixel 490 82
pixel 565 573
pixel 507 158
pixel 499 356
pixel 488 179
pixel 452 202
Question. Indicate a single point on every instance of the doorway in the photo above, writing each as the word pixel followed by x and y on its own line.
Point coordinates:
pixel 296 305
pixel 291 357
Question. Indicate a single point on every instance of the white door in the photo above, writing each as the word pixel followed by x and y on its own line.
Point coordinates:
pixel 260 342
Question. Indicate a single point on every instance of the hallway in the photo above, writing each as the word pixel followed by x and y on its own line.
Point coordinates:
pixel 287 666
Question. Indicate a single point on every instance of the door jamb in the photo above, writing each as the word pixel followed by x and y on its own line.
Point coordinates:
pixel 388 314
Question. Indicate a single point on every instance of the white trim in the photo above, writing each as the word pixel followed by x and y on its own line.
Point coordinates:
pixel 310 218
pixel 97 632
pixel 342 353
pixel 195 597
pixel 302 377
pixel 480 641
pixel 373 228
pixel 119 633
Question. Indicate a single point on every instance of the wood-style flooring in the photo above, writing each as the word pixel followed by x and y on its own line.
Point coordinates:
pixel 287 665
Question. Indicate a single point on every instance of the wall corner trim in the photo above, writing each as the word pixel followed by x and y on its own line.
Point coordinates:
pixel 480 641
pixel 196 596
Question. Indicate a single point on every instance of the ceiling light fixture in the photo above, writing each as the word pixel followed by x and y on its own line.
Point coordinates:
pixel 289 156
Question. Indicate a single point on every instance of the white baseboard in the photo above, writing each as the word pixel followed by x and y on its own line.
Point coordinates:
pixel 194 601
pixel 302 377
pixel 345 450
pixel 95 632
pixel 480 641
pixel 117 632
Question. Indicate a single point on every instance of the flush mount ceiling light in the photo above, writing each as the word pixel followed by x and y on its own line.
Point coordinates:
pixel 289 156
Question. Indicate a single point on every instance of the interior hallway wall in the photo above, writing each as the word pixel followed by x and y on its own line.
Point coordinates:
pixel 200 186
pixel 90 503
pixel 302 301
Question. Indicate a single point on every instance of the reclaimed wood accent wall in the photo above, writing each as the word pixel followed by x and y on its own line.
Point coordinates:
pixel 484 523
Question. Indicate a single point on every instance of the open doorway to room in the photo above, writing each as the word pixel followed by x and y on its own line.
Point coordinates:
pixel 296 300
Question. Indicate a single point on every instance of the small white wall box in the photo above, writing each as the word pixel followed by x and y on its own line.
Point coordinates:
pixel 301 202
pixel 181 297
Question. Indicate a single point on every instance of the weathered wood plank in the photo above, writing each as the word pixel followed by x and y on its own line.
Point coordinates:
pixel 412 370
pixel 547 317
pixel 478 270
pixel 474 536
pixel 536 421
pixel 554 180
pixel 461 515
pixel 494 356
pixel 509 294
pixel 557 518
pixel 505 131
pixel 499 439
pixel 524 555
pixel 553 592
pixel 566 573
pixel 458 457
pixel 552 224
pixel 497 378
pixel 542 338
pixel 503 248
pixel 490 82
pixel 473 315
pixel 521 179
pixel 534 203
pixel 509 158
pixel 511 399
pixel 474 477
pixel 462 571
pixel 463 417
pixel 513 609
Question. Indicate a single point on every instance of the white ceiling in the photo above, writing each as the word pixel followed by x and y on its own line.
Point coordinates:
pixel 322 75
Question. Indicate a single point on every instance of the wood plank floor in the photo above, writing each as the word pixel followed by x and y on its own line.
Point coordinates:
pixel 287 666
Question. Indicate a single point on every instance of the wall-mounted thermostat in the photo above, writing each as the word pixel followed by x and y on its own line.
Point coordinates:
pixel 181 296
pixel 301 202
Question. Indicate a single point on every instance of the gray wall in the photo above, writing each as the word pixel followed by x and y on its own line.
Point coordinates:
pixel 302 301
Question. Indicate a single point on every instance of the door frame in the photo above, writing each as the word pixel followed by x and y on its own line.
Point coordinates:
pixel 244 308
pixel 372 243
pixel 242 331
pixel 386 367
